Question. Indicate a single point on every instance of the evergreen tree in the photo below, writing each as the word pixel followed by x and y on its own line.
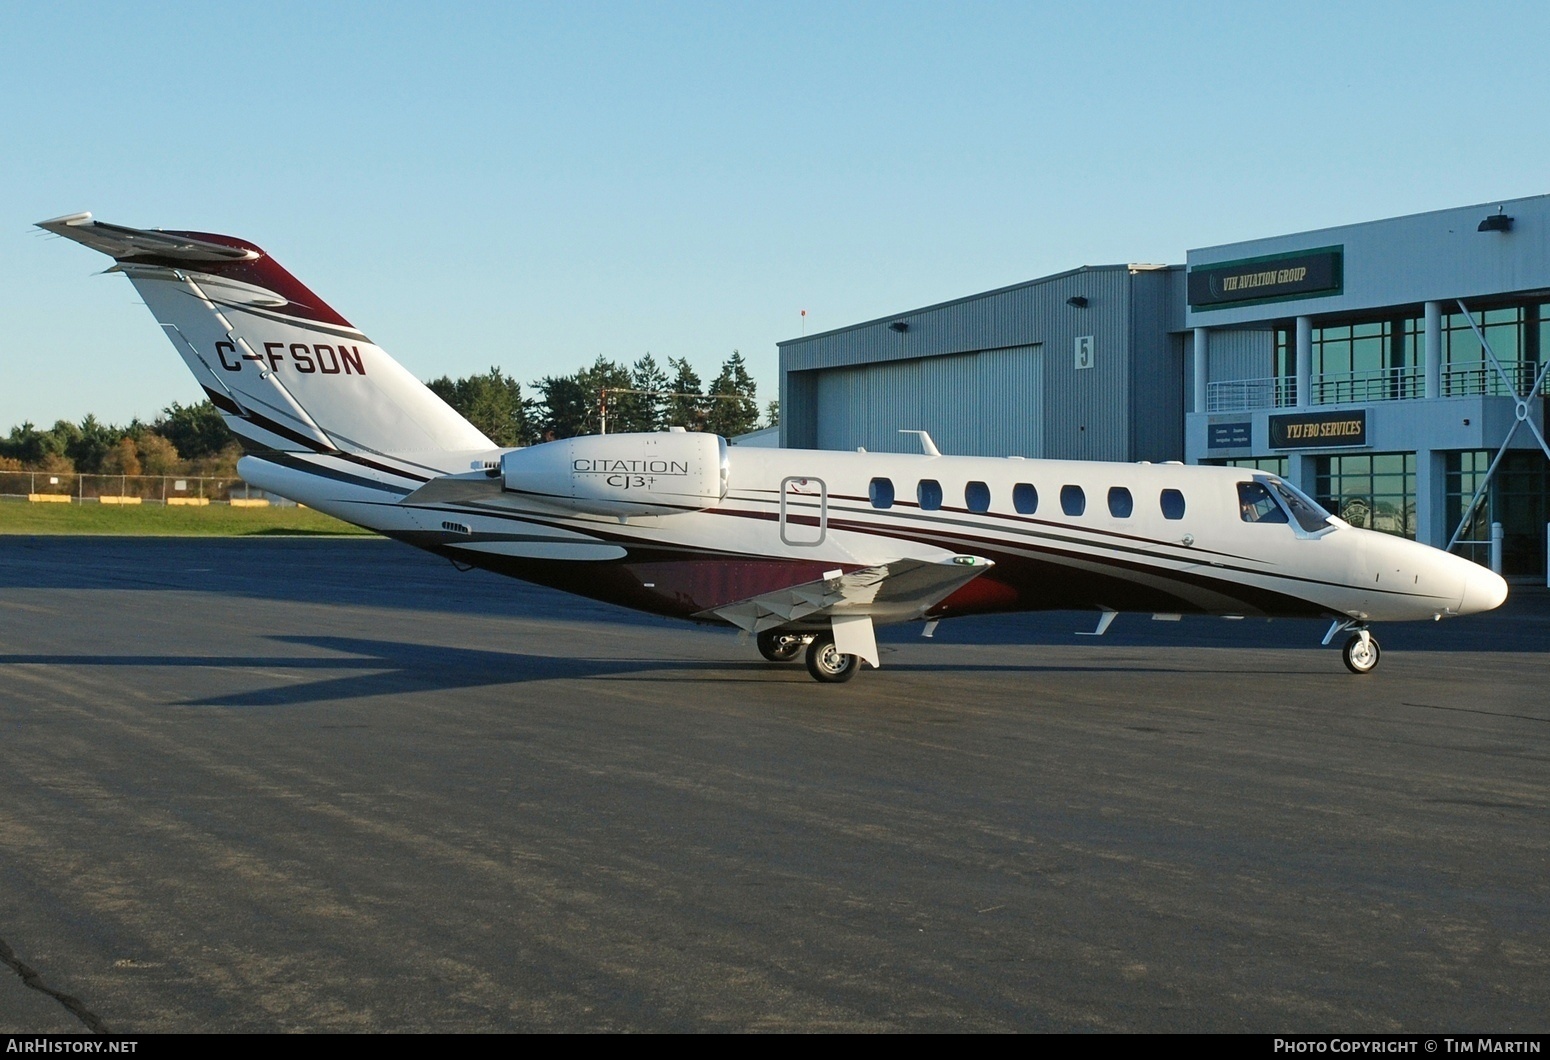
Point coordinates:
pixel 195 431
pixel 492 402
pixel 605 375
pixel 89 444
pixel 564 407
pixel 685 412
pixel 730 418
pixel 642 412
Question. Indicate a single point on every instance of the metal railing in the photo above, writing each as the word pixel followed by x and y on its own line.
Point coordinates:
pixel 1381 384
pixel 1405 383
pixel 1480 377
pixel 132 489
pixel 1245 395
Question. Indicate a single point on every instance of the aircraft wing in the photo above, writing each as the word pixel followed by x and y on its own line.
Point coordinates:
pixel 897 591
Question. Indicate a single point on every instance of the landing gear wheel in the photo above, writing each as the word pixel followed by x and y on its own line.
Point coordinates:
pixel 827 664
pixel 779 646
pixel 1361 656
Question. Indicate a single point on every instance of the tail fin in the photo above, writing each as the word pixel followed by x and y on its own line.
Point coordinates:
pixel 288 372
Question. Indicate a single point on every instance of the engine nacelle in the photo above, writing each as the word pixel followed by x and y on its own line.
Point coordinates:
pixel 622 474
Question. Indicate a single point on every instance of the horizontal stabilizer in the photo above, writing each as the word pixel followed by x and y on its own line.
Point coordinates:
pixel 119 242
pixel 891 592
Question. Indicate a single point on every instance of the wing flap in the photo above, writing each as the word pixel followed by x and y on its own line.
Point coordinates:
pixel 897 591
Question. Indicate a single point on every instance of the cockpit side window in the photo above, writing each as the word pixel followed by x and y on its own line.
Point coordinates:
pixel 1256 505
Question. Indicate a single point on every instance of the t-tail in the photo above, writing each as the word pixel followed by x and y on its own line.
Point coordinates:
pixel 291 375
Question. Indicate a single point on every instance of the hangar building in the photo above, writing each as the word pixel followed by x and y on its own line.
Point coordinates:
pixel 1348 359
pixel 1082 365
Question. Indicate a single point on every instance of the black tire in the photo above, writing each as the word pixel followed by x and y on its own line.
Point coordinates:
pixel 828 665
pixel 778 645
pixel 1360 659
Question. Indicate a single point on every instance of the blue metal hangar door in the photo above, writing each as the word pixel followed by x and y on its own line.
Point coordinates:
pixel 983 403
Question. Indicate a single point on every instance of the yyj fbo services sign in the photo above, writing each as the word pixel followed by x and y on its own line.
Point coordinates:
pixel 1319 430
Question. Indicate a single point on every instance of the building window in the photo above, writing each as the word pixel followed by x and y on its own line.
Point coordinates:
pixel 1172 504
pixel 929 494
pixel 1518 498
pixel 1072 500
pixel 1465 472
pixel 1376 492
pixel 1121 503
pixel 1516 336
pixel 1374 360
pixel 881 492
pixel 1025 498
pixel 1276 465
pixel 976 497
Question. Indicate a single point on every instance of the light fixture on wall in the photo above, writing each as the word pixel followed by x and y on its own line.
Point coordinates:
pixel 1496 222
pixel 899 326
pixel 1078 301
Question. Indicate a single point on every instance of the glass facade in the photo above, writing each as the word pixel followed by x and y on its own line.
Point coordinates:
pixel 1375 491
pixel 1384 359
pixel 1517 499
pixel 1276 465
pixel 1516 335
pixel 1465 472
pixel 1519 504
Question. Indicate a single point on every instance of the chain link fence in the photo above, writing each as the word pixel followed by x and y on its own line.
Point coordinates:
pixel 194 490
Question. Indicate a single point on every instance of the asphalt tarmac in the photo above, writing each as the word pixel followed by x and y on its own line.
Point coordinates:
pixel 336 785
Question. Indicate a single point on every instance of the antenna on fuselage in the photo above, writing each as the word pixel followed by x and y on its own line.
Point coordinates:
pixel 926 444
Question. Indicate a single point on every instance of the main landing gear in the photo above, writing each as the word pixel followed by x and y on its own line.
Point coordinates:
pixel 1361 651
pixel 825 662
pixel 778 645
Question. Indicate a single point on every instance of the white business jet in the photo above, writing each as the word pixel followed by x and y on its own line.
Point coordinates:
pixel 807 550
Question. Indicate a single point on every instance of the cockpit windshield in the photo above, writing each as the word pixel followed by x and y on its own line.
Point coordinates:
pixel 1304 510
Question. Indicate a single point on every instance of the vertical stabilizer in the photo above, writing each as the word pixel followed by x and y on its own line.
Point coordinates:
pixel 288 371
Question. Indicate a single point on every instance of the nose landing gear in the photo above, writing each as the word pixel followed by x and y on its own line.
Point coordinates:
pixel 1361 652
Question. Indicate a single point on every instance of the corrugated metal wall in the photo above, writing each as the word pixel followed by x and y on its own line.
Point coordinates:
pixel 935 373
pixel 1241 354
pixel 984 402
pixel 1157 360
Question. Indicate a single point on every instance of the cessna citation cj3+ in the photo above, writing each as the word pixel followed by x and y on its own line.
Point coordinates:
pixel 804 549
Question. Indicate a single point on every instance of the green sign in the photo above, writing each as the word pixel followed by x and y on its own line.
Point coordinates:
pixel 1280 278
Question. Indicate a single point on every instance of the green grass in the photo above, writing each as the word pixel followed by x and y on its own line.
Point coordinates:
pixel 217 520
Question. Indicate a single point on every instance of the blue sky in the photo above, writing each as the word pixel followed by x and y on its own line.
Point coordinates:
pixel 531 185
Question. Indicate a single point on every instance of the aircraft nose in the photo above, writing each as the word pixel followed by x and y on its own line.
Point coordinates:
pixel 1484 590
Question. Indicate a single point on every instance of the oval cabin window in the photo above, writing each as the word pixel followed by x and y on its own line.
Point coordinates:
pixel 1072 500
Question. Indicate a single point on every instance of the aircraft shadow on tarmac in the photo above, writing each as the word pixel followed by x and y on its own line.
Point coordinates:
pixel 361 669
pixel 378 573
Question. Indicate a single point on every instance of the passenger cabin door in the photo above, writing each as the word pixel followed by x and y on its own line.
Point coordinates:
pixel 804 510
